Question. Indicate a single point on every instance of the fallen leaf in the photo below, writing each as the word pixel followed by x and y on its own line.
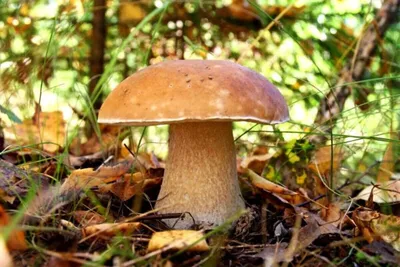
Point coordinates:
pixel 47 129
pixel 16 240
pixel 388 256
pixel 375 226
pixel 325 227
pixel 332 214
pixel 46 201
pixel 256 162
pixel 86 218
pixel 284 252
pixel 109 230
pixel 15 181
pixel 129 185
pixel 277 190
pixel 321 165
pixel 306 235
pixel 131 12
pixel 321 162
pixel 5 197
pixel 147 161
pixel 265 184
pixel 87 178
pixel 177 240
pixel 386 192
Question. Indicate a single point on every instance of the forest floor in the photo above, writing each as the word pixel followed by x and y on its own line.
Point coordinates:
pixel 76 208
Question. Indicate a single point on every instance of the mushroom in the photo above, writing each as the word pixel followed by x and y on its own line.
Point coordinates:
pixel 199 99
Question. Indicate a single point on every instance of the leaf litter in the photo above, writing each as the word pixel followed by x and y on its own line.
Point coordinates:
pixel 72 221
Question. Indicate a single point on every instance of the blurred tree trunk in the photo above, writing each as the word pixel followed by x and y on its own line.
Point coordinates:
pixel 1 139
pixel 98 46
pixel 332 104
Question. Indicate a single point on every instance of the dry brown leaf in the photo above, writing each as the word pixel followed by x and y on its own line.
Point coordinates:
pixel 321 163
pixel 147 161
pixel 86 218
pixel 332 214
pixel 177 240
pixel 85 179
pixel 16 240
pixel 306 235
pixel 265 184
pixel 131 185
pixel 283 252
pixel 109 230
pixel 117 170
pixel 47 127
pixel 257 161
pixel 375 226
pixel 15 181
pixel 88 178
pixel 125 188
pixel 386 192
pixel 324 226
pixel 5 197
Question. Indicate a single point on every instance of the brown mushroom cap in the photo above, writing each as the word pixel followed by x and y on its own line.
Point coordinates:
pixel 194 90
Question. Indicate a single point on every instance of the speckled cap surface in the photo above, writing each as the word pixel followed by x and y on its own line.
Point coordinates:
pixel 194 90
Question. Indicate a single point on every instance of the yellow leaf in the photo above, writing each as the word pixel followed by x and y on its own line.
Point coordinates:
pixel 300 179
pixel 24 10
pixel 178 239
pixel 293 158
pixel 48 128
pixel 271 174
pixel 131 12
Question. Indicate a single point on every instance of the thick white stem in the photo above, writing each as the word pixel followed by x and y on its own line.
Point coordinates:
pixel 200 175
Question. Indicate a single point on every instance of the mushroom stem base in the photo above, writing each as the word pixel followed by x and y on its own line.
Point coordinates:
pixel 200 175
